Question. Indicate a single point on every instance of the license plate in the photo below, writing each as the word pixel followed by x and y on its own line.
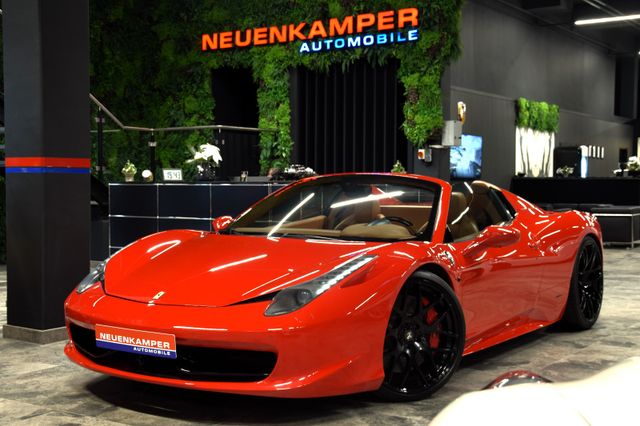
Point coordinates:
pixel 136 341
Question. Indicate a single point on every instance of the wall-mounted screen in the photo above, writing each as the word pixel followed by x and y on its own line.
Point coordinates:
pixel 466 159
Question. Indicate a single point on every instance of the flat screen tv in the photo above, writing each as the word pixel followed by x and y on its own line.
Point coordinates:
pixel 466 159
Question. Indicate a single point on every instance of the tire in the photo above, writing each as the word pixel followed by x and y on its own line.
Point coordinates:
pixel 586 287
pixel 424 339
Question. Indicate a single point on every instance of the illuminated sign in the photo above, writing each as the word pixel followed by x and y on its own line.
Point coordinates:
pixel 363 30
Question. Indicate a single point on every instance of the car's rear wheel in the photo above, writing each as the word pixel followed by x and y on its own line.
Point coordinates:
pixel 424 340
pixel 586 287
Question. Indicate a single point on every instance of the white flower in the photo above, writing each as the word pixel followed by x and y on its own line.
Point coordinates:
pixel 206 152
pixel 633 160
pixel 210 152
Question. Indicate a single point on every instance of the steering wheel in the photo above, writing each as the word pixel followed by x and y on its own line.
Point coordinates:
pixel 400 220
pixel 388 219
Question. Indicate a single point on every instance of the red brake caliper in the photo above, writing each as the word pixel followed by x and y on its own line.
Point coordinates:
pixel 430 318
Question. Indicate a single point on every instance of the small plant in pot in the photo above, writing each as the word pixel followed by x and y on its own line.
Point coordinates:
pixel 633 165
pixel 295 172
pixel 398 168
pixel 564 171
pixel 129 171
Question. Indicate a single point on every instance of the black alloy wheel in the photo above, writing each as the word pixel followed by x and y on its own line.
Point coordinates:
pixel 586 287
pixel 424 339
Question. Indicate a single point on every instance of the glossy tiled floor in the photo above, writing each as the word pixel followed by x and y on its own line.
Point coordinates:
pixel 40 386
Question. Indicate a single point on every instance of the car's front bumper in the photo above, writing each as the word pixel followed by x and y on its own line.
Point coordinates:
pixel 333 347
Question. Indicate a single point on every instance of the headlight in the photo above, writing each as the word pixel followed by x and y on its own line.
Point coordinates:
pixel 293 298
pixel 96 274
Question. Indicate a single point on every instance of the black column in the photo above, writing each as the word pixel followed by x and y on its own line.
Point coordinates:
pixel 46 79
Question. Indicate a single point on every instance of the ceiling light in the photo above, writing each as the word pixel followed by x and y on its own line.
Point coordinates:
pixel 609 19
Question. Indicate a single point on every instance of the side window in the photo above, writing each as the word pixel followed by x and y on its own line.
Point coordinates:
pixel 511 212
pixel 473 207
pixel 461 224
pixel 488 206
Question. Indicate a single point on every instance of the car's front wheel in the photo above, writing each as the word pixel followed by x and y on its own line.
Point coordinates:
pixel 586 287
pixel 424 340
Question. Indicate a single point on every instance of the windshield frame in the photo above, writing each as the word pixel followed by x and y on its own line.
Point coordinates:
pixel 269 202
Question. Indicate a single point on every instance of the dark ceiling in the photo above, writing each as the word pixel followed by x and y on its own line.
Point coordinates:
pixel 622 38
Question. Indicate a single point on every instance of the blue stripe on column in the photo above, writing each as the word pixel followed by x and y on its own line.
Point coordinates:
pixel 70 170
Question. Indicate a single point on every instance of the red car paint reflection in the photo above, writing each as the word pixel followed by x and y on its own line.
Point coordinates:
pixel 341 284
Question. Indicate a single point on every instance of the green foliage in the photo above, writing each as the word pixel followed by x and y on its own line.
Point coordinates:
pixel 269 67
pixel 147 67
pixel 129 168
pixel 539 116
pixel 522 112
pixel 398 167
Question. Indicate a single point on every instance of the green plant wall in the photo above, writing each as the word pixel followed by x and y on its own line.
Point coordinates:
pixel 147 67
pixel 539 116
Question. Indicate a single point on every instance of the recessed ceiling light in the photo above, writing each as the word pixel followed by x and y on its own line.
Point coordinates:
pixel 608 19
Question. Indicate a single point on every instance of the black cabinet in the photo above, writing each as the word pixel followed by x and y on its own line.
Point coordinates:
pixel 595 190
pixel 138 209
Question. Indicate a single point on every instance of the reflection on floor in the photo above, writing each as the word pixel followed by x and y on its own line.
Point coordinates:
pixel 40 386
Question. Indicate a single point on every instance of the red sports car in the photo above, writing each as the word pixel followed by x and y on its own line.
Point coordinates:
pixel 338 284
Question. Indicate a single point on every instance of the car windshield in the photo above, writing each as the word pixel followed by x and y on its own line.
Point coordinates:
pixel 348 207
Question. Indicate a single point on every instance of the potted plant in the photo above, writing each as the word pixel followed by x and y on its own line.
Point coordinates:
pixel 564 171
pixel 129 171
pixel 633 164
pixel 398 168
pixel 207 157
pixel 297 171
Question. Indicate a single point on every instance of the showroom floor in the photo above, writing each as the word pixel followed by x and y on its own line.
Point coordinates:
pixel 40 386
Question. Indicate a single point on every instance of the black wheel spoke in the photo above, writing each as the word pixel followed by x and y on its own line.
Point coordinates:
pixel 393 361
pixel 433 327
pixel 407 372
pixel 448 333
pixel 431 305
pixel 440 318
pixel 439 349
pixel 417 307
pixel 417 369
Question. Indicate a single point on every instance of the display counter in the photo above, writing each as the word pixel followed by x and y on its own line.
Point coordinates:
pixel 139 209
pixel 624 191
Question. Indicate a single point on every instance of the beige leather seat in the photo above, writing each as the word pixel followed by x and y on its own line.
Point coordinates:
pixel 461 224
pixel 359 213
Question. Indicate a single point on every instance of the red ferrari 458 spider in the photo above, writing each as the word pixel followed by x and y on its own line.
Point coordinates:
pixel 338 284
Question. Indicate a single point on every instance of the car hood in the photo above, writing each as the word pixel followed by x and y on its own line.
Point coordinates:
pixel 202 269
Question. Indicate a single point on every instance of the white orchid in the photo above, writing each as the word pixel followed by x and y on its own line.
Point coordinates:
pixel 633 163
pixel 206 153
